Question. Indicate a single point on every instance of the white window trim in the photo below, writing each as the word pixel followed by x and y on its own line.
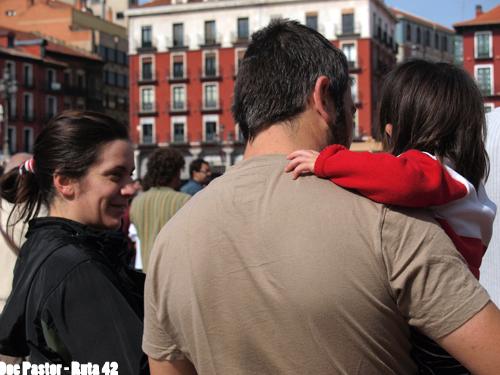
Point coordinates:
pixel 210 118
pixel 153 65
pixel 490 39
pixel 184 72
pixel 355 121
pixel 178 120
pixel 205 52
pixel 143 121
pixel 355 88
pixel 31 138
pixel 342 43
pixel 236 51
pixel 172 97
pixel 492 75
pixel 152 88
pixel 217 96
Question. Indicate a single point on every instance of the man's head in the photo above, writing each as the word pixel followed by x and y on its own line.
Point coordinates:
pixel 199 170
pixel 279 74
pixel 164 168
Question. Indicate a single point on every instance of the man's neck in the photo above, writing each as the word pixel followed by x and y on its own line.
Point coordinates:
pixel 283 138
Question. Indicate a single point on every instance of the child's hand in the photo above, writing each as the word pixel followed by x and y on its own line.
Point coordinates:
pixel 301 162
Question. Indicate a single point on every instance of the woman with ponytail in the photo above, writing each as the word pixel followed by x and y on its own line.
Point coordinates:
pixel 73 297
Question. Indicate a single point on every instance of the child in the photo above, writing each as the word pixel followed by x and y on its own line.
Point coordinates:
pixel 432 117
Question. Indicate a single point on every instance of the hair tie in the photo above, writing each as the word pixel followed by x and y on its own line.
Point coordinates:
pixel 27 167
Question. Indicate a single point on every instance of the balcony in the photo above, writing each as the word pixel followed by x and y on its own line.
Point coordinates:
pixel 147 109
pixel 29 84
pixel 210 74
pixel 28 117
pixel 178 76
pixel 485 54
pixel 177 107
pixel 211 106
pixel 75 90
pixel 353 65
pixel 145 46
pixel 52 86
pixel 177 44
pixel 345 31
pixel 147 77
pixel 209 41
pixel 239 40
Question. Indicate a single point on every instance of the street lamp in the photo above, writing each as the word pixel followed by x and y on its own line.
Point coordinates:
pixel 8 87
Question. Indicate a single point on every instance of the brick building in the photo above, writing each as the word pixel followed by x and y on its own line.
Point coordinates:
pixel 184 59
pixel 67 23
pixel 423 39
pixel 481 50
pixel 48 77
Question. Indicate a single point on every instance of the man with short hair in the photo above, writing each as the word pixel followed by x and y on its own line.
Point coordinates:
pixel 160 201
pixel 262 274
pixel 199 171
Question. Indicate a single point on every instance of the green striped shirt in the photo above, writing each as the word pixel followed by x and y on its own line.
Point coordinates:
pixel 149 213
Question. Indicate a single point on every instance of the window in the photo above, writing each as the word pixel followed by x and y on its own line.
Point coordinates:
pixel 210 33
pixel 349 50
pixel 11 105
pixel 28 75
pixel 210 64
pixel 436 41
pixel 484 79
pixel 178 132
pixel 28 106
pixel 210 96
pixel 348 23
pixel 80 80
pixel 11 135
pixel 147 68
pixel 11 69
pixel 210 131
pixel 147 133
pixel 51 108
pixel 178 66
pixel 312 21
pixel 178 32
pixel 243 29
pixel 28 140
pixel 419 35
pixel 111 78
pixel 111 54
pixel 408 32
pixel 120 16
pixel 147 99
pixel 146 37
pixel 354 88
pixel 179 98
pixel 483 44
pixel 427 41
pixel 444 43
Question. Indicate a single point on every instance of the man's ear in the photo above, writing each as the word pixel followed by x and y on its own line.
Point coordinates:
pixel 64 185
pixel 388 130
pixel 322 100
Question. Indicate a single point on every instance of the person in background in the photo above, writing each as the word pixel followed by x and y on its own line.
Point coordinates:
pixel 160 201
pixel 200 173
pixel 73 296
pixel 490 270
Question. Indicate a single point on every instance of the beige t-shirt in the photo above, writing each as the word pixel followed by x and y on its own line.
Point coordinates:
pixel 260 274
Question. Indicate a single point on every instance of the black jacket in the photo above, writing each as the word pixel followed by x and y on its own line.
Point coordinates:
pixel 73 299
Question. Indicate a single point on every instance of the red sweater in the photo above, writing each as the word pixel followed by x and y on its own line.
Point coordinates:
pixel 417 179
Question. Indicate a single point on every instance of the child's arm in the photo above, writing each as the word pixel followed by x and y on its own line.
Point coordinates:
pixel 412 179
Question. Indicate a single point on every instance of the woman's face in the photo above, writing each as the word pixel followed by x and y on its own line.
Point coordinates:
pixel 101 196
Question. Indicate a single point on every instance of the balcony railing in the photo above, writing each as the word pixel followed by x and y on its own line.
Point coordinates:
pixel 147 108
pixel 209 40
pixel 180 44
pixel 239 39
pixel 211 106
pixel 210 73
pixel 52 86
pixel 147 77
pixel 348 31
pixel 146 46
pixel 28 117
pixel 178 76
pixel 177 107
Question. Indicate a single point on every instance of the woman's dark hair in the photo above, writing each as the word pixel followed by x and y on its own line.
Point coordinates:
pixel 163 166
pixel 436 108
pixel 68 145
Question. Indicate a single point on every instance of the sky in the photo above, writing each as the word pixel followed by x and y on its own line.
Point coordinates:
pixel 445 12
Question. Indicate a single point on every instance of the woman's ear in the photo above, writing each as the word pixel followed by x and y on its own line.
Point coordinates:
pixel 388 130
pixel 65 186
